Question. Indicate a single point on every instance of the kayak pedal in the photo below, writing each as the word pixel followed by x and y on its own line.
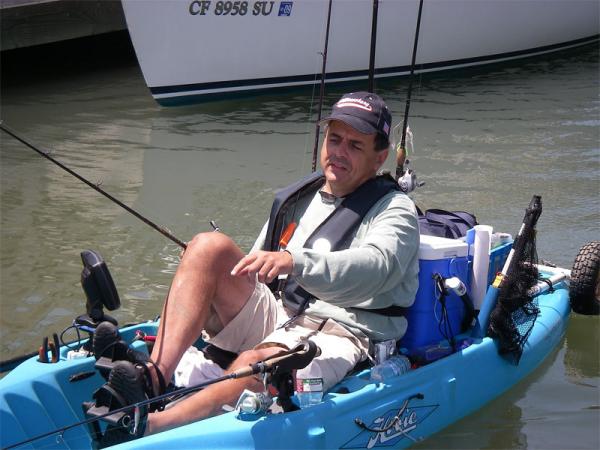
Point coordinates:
pixel 91 410
pixel 104 365
pixel 105 400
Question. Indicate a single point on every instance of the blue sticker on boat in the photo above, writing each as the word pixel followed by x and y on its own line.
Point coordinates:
pixel 395 424
pixel 285 8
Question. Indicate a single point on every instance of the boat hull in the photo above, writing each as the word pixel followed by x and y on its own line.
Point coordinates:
pixel 37 398
pixel 193 50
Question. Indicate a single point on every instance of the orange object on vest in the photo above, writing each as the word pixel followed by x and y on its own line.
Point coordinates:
pixel 287 235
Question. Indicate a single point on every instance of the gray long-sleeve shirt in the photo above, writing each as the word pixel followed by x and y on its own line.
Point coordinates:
pixel 379 269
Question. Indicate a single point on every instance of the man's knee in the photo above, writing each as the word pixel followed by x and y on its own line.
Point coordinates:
pixel 212 246
pixel 210 241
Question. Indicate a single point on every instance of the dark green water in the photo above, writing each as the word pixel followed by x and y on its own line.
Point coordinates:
pixel 484 142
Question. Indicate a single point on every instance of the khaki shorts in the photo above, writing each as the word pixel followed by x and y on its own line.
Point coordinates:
pixel 255 326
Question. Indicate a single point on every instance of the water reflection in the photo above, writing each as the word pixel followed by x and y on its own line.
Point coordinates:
pixel 582 349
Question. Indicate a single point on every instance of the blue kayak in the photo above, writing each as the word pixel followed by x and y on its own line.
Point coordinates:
pixel 38 398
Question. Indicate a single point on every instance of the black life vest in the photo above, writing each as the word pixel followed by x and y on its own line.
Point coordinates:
pixel 338 228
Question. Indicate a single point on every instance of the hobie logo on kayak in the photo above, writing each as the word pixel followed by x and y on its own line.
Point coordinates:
pixel 397 423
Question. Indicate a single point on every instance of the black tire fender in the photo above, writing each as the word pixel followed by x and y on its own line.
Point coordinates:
pixel 584 289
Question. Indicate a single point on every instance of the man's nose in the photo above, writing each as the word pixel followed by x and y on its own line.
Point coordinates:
pixel 342 148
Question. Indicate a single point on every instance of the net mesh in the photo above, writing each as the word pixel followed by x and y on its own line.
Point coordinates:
pixel 516 310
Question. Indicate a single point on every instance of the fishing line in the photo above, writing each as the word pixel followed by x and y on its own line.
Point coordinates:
pixel 322 91
pixel 309 119
pixel 324 35
pixel 46 155
pixel 401 149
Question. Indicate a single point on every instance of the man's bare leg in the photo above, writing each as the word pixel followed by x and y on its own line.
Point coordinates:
pixel 209 401
pixel 203 279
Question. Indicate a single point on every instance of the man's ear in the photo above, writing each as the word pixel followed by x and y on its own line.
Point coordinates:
pixel 381 157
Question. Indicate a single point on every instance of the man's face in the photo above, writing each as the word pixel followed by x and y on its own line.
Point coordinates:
pixel 348 158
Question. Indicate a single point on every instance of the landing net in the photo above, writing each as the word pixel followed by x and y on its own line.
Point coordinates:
pixel 513 318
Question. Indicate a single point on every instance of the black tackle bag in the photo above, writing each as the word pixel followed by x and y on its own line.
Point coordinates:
pixel 447 224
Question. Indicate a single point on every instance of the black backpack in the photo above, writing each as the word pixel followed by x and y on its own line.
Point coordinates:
pixel 447 224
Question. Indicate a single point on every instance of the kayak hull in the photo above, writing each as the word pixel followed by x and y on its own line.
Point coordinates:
pixel 38 398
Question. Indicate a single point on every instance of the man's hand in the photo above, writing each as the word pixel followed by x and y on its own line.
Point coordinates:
pixel 267 265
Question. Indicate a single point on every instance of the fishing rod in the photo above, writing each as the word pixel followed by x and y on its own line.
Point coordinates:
pixel 371 87
pixel 296 358
pixel 322 93
pixel 401 150
pixel 46 155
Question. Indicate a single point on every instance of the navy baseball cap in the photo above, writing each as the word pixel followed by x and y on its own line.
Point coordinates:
pixel 364 111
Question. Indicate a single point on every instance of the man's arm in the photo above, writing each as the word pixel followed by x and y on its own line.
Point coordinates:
pixel 354 276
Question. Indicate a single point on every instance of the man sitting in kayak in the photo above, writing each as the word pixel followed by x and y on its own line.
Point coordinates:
pixel 343 279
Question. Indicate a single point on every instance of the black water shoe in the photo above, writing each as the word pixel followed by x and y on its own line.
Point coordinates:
pixel 126 385
pixel 107 343
pixel 109 348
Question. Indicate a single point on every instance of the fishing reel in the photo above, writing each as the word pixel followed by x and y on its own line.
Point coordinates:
pixel 100 291
pixel 408 181
pixel 405 176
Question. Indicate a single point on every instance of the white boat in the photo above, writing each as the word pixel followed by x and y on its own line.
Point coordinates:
pixel 190 50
